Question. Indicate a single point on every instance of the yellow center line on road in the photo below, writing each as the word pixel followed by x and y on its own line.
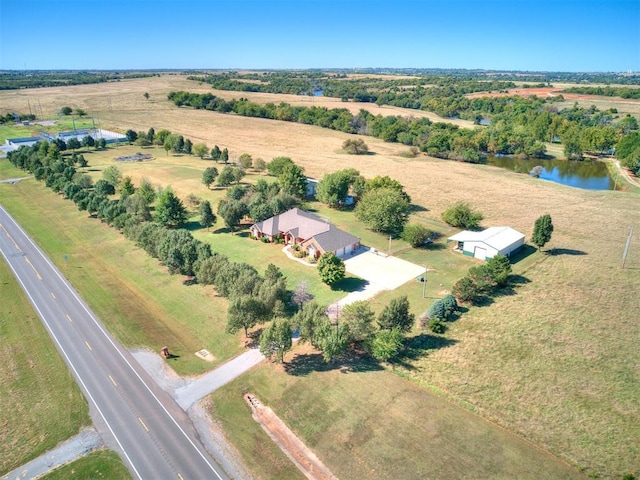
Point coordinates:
pixel 53 296
pixel 34 268
pixel 88 346
pixel 112 381
pixel 10 237
pixel 180 476
pixel 69 318
pixel 145 427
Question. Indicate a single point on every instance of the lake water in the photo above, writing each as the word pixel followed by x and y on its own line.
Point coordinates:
pixel 587 174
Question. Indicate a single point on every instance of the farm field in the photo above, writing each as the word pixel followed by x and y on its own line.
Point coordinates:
pixel 551 363
pixel 41 403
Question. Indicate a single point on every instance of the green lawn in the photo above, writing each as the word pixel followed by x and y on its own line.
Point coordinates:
pixel 100 464
pixel 40 404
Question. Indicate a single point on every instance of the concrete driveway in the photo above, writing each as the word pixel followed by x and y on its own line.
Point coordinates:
pixel 381 273
pixel 387 272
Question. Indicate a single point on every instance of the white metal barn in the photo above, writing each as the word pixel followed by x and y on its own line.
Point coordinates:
pixel 488 243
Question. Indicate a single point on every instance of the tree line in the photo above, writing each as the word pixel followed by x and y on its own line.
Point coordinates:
pixel 37 79
pixel 607 91
pixel 519 126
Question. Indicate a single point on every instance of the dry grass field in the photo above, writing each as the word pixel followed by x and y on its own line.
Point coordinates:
pixel 555 363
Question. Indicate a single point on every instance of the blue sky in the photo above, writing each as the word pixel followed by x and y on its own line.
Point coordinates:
pixel 563 35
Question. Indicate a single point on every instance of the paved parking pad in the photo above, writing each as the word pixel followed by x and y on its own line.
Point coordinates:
pixel 385 271
pixel 381 273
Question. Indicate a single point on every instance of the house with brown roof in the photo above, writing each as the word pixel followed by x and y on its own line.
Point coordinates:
pixel 313 234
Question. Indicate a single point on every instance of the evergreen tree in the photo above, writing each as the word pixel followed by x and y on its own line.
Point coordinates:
pixel 396 316
pixel 207 217
pixel 170 210
pixel 542 231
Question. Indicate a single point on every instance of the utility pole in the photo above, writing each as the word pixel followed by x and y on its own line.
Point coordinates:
pixel 424 283
pixel 626 248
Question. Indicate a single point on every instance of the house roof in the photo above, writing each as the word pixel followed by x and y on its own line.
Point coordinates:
pixel 300 223
pixel 334 239
pixel 307 226
pixel 496 237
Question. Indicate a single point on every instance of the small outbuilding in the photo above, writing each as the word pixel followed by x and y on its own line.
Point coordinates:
pixel 488 243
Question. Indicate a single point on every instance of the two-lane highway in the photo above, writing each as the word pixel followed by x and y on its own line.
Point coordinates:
pixel 154 436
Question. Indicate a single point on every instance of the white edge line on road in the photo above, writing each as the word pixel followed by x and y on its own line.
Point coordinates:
pixel 66 283
pixel 24 288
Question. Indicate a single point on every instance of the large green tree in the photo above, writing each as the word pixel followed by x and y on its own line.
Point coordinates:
pixel 276 166
pixel 200 150
pixel 245 312
pixel 383 210
pixel 462 215
pixel 331 268
pixel 276 339
pixel 358 318
pixel 416 234
pixel 112 175
pixel 207 217
pixel 386 345
pixel 542 230
pixel 293 181
pixel 209 176
pixel 232 213
pixel 396 316
pixel 170 211
pixel 334 187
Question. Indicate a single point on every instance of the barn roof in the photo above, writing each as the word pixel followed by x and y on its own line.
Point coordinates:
pixel 496 237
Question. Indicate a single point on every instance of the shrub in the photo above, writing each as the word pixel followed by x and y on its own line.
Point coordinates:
pixel 355 146
pixel 436 325
pixel 450 305
pixel 461 215
pixel 415 234
pixel 465 290
pixel 437 310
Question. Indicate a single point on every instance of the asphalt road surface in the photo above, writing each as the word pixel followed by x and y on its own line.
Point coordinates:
pixel 154 437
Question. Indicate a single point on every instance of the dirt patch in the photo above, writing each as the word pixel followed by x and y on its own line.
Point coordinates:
pixel 289 443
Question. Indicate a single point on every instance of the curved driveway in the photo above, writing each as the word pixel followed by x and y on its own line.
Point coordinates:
pixel 142 423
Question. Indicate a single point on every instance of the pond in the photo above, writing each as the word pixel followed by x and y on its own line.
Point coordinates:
pixel 587 174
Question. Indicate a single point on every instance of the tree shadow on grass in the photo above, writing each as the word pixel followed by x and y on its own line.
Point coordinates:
pixel 191 226
pixel 565 251
pixel 418 208
pixel 350 284
pixel 303 364
pixel 523 253
pixel 419 346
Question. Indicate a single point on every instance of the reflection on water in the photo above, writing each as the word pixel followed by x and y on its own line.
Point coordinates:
pixel 587 174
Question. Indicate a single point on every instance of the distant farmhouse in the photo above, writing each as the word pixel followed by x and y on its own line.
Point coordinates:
pixel 12 144
pixel 488 243
pixel 313 234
